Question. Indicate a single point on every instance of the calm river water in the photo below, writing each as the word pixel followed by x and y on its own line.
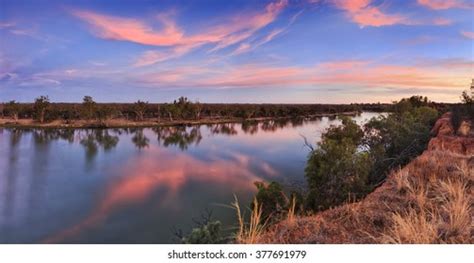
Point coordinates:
pixel 140 185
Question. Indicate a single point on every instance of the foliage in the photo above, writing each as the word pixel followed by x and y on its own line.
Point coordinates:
pixel 12 109
pixel 466 99
pixel 407 104
pixel 271 198
pixel 206 231
pixel 41 105
pixel 349 161
pixel 209 233
pixel 396 139
pixel 89 108
pixel 105 112
pixel 464 111
pixel 139 108
pixel 337 170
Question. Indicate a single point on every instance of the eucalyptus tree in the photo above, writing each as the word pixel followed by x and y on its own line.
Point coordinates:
pixel 12 108
pixel 40 107
pixel 89 108
pixel 139 108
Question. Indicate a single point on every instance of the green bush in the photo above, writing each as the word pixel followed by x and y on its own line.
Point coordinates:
pixel 337 170
pixel 396 139
pixel 272 199
pixel 210 233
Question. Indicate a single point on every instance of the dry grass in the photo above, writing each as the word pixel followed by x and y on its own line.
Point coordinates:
pixel 291 216
pixel 249 232
pixel 428 201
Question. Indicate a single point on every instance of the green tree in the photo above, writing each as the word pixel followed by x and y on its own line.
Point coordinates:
pixel 105 112
pixel 139 108
pixel 172 110
pixel 396 139
pixel 12 108
pixel 197 110
pixel 40 107
pixel 338 169
pixel 272 199
pixel 89 107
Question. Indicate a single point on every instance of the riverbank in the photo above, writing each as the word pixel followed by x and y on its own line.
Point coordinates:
pixel 428 201
pixel 126 123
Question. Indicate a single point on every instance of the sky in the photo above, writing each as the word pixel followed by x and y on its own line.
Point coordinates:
pixel 245 51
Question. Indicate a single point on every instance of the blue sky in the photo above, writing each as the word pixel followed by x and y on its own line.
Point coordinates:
pixel 285 51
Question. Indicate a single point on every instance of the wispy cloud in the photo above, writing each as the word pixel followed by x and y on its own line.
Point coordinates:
pixel 467 34
pixel 133 30
pixel 444 4
pixel 152 56
pixel 229 32
pixel 439 74
pixel 364 13
pixel 248 46
pixel 6 25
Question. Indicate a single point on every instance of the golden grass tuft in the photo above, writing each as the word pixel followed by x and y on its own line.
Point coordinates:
pixel 411 228
pixel 291 212
pixel 249 232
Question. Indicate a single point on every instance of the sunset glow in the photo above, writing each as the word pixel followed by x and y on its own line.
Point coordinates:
pixel 282 51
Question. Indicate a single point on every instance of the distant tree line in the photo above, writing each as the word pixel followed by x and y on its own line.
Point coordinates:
pixel 43 110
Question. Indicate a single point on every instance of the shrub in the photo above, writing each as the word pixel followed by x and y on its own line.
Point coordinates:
pixel 337 170
pixel 271 198
pixel 396 139
pixel 210 233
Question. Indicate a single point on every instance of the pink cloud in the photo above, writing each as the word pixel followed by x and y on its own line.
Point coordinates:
pixel 229 32
pixel 247 46
pixel 152 57
pixel 467 34
pixel 363 73
pixel 362 13
pixel 116 28
pixel 442 4
pixel 442 22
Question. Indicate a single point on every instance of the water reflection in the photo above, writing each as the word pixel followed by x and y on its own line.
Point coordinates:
pixel 50 192
pixel 180 136
pixel 144 177
pixel 139 139
pixel 223 128
pixel 44 136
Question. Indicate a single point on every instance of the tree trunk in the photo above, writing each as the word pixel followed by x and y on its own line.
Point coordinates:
pixel 41 116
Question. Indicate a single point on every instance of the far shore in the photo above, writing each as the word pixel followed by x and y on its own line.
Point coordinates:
pixel 126 123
